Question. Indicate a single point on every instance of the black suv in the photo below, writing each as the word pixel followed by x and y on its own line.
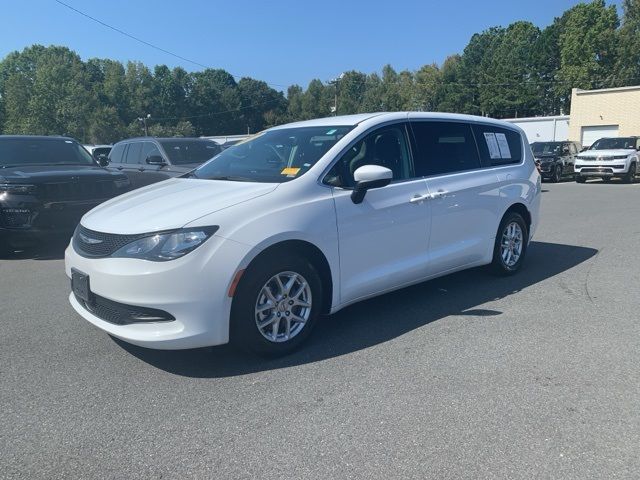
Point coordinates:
pixel 46 185
pixel 147 160
pixel 555 159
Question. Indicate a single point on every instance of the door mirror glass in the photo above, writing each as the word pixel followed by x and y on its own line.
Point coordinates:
pixel 368 177
pixel 155 160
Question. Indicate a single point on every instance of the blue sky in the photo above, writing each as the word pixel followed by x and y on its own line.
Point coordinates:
pixel 279 41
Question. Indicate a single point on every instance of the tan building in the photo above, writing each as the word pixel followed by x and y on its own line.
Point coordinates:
pixel 610 112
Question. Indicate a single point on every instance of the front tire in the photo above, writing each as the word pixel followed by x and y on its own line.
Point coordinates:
pixel 630 177
pixel 511 243
pixel 580 179
pixel 557 174
pixel 276 305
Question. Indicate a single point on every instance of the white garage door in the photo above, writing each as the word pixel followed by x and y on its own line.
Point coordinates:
pixel 591 134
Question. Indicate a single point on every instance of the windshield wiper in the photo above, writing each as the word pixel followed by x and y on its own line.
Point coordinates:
pixel 230 178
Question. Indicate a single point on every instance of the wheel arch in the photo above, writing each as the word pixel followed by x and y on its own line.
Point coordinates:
pixel 523 211
pixel 309 251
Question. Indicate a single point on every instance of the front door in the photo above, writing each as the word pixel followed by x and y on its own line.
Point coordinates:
pixel 383 241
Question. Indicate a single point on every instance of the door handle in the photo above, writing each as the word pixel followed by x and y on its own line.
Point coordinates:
pixel 419 198
pixel 439 194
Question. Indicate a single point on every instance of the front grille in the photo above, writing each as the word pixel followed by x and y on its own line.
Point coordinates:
pixel 89 243
pixel 77 190
pixel 15 217
pixel 122 314
pixel 596 170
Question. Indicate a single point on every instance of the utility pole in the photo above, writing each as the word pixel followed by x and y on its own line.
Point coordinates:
pixel 143 120
pixel 335 82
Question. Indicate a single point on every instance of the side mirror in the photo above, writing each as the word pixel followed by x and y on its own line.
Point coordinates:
pixel 156 160
pixel 584 149
pixel 368 177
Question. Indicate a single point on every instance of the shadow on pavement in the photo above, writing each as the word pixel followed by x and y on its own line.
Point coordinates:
pixel 380 319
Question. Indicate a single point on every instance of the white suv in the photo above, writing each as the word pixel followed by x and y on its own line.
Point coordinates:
pixel 303 220
pixel 608 158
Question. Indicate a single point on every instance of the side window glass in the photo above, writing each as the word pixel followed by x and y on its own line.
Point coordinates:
pixel 443 147
pixel 386 147
pixel 115 156
pixel 497 145
pixel 149 149
pixel 134 153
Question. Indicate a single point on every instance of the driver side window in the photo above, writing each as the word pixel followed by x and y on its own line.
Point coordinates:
pixel 386 147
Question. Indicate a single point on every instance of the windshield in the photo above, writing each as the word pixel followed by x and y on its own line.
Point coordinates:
pixel 614 144
pixel 182 152
pixel 546 148
pixel 274 156
pixel 40 151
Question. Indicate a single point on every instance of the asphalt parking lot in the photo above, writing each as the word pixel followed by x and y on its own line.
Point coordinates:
pixel 467 376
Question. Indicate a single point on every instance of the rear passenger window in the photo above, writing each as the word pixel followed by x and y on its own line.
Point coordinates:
pixel 443 147
pixel 116 154
pixel 134 154
pixel 498 146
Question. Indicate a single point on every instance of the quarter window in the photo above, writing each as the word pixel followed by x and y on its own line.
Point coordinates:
pixel 443 147
pixel 498 146
pixel 386 147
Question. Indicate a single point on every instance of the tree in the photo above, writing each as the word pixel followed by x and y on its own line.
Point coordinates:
pixel 628 46
pixel 587 47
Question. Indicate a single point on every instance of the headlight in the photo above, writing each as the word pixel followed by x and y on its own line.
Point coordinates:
pixel 162 247
pixel 17 188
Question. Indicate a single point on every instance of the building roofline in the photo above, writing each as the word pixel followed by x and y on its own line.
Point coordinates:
pixel 537 119
pixel 579 91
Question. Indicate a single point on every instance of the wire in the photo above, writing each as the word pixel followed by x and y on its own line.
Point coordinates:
pixel 148 44
pixel 213 114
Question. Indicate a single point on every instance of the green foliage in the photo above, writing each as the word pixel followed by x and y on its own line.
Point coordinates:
pixel 519 70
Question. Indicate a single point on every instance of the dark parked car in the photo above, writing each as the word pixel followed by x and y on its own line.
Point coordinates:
pixel 147 160
pixel 555 159
pixel 46 185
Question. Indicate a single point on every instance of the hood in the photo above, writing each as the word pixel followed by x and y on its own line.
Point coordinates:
pixel 170 204
pixel 607 153
pixel 36 174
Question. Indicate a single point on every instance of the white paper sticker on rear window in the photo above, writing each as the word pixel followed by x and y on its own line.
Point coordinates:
pixel 492 145
pixel 503 145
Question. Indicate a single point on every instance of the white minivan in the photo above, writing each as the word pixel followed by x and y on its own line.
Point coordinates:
pixel 303 220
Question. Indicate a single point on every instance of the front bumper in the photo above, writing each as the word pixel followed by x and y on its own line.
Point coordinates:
pixel 602 169
pixel 192 289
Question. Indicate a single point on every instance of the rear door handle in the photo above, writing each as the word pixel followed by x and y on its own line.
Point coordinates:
pixel 419 198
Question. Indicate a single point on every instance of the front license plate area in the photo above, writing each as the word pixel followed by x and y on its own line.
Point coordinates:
pixel 80 285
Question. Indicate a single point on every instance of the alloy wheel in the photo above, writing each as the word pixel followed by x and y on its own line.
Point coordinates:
pixel 283 307
pixel 511 244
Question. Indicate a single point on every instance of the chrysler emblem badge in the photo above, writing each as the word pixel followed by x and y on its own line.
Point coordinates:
pixel 89 240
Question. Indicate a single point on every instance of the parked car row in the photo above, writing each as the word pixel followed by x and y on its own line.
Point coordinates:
pixel 606 158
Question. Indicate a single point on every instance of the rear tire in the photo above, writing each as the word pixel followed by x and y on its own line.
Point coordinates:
pixel 511 243
pixel 557 174
pixel 580 179
pixel 276 305
pixel 630 177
